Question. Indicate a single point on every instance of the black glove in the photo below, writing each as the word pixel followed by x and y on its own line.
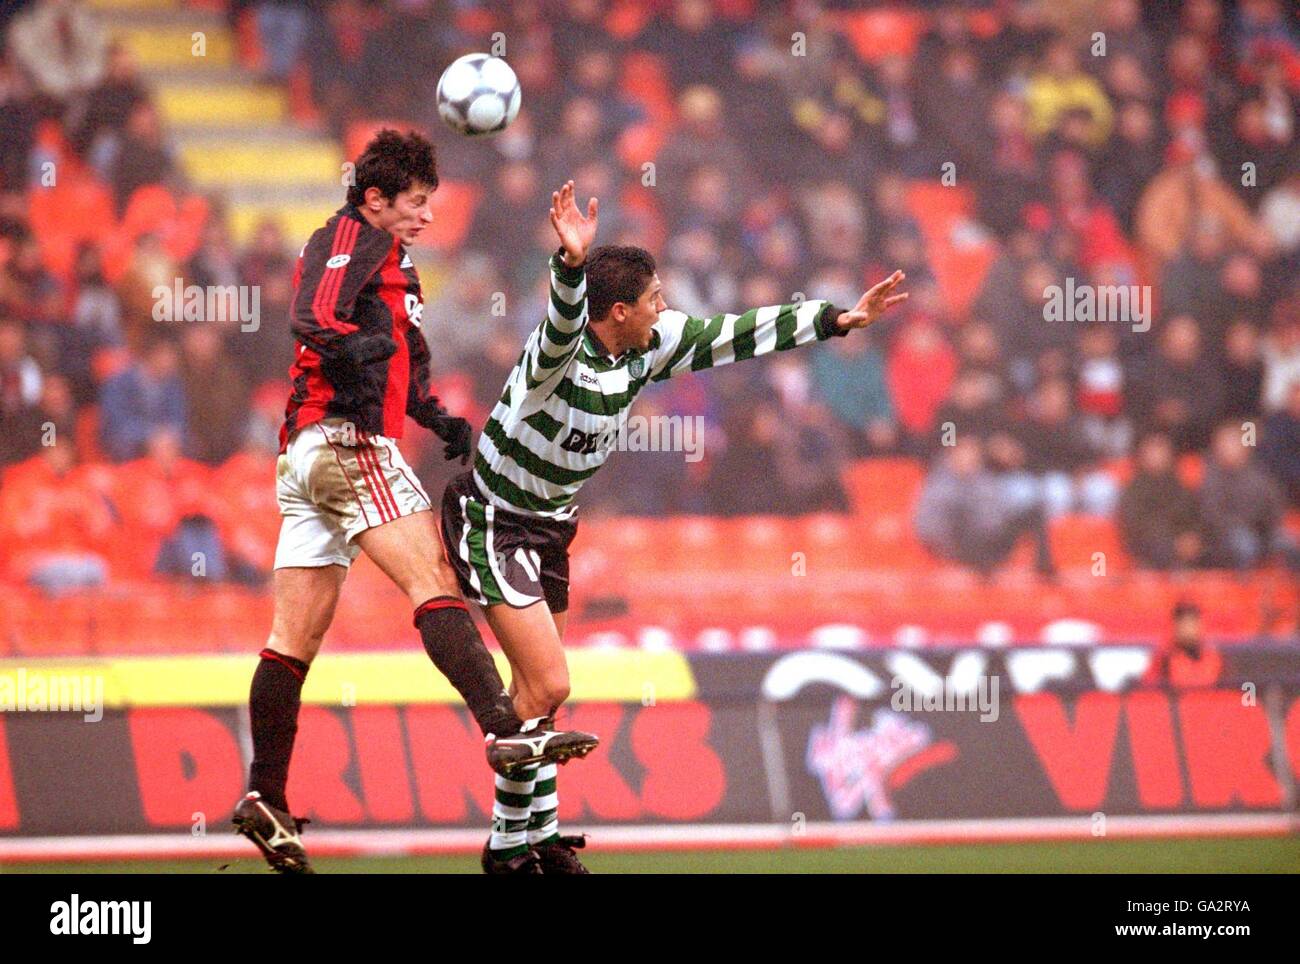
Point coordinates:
pixel 454 431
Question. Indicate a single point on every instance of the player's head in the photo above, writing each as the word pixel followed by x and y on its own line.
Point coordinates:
pixel 623 295
pixel 394 181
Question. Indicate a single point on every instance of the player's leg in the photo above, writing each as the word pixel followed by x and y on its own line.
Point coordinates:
pixel 305 599
pixel 539 683
pixel 555 851
pixel 531 642
pixel 523 804
pixel 386 513
pixel 486 551
pixel 409 551
pixel 311 562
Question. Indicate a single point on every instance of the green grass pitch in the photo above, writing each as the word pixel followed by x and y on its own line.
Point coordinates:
pixel 1178 855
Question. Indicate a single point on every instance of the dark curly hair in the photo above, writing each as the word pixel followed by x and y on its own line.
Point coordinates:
pixel 616 272
pixel 393 162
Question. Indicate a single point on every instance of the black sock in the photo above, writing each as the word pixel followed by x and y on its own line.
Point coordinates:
pixel 273 702
pixel 453 643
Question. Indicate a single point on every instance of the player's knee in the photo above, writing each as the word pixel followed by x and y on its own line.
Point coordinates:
pixel 302 648
pixel 432 584
pixel 555 688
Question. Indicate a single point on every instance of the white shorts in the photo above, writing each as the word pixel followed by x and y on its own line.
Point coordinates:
pixel 333 483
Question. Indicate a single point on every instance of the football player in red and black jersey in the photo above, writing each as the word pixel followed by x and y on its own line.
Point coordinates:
pixel 361 367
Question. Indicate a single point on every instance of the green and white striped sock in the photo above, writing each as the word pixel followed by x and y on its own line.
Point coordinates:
pixel 544 820
pixel 511 812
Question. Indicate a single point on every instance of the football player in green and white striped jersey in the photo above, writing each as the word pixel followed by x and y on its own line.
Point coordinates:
pixel 508 523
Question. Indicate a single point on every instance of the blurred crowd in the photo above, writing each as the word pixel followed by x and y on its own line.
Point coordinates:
pixel 764 152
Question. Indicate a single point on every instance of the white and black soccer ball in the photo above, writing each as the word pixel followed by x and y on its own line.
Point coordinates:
pixel 478 94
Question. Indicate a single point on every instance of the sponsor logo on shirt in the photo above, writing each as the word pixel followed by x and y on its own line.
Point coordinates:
pixel 414 309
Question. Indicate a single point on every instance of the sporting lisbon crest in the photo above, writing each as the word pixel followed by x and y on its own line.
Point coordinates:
pixel 636 367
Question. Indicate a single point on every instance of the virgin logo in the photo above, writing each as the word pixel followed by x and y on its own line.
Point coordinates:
pixel 854 767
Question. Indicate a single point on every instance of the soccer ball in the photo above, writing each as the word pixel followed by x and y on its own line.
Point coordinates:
pixel 478 94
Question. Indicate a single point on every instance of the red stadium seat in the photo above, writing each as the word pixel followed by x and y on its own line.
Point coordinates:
pixel 883 32
pixel 761 544
pixel 883 485
pixel 1074 540
pixel 695 543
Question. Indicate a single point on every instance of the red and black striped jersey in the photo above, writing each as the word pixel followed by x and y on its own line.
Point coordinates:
pixel 356 319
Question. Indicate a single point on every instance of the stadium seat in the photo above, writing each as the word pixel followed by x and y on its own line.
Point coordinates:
pixel 955 245
pixel 453 207
pixel 77 209
pixel 838 542
pixel 883 32
pixel 1023 556
pixel 626 545
pixel 761 544
pixel 644 80
pixel 695 543
pixel 1074 540
pixel 882 485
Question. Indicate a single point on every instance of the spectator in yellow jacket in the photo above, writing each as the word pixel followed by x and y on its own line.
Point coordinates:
pixel 1062 88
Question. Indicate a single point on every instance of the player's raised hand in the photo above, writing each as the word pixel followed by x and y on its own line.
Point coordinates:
pixel 575 231
pixel 873 304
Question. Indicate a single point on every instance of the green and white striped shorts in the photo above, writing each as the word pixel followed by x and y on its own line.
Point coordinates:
pixel 504 557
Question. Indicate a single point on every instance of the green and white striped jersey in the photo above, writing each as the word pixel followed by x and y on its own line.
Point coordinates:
pixel 566 402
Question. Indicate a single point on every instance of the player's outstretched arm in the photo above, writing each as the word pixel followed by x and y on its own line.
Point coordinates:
pixel 555 340
pixel 874 303
pixel 693 344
